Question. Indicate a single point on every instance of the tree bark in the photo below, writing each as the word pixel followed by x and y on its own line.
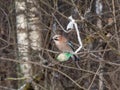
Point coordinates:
pixel 22 37
pixel 34 26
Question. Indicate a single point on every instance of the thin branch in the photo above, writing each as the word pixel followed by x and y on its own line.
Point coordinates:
pixel 115 25
pixel 54 69
pixel 97 72
pixel 60 24
pixel 6 88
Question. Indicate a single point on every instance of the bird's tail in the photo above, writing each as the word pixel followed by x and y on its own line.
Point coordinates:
pixel 75 57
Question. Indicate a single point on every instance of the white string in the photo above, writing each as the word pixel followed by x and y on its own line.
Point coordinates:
pixel 71 25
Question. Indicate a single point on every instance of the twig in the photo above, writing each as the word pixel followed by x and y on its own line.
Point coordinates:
pixel 94 77
pixel 22 87
pixel 115 25
pixel 10 78
pixel 6 88
pixel 35 84
pixel 54 69
pixel 80 69
pixel 60 24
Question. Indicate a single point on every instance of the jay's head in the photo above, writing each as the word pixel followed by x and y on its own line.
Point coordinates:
pixel 59 39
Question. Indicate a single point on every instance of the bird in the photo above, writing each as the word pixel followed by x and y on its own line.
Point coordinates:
pixel 64 45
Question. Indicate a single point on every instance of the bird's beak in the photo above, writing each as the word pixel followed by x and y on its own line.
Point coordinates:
pixel 51 39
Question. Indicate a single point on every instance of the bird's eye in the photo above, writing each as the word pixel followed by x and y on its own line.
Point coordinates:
pixel 56 39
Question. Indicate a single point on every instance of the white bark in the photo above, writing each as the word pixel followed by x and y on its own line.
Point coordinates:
pixel 22 37
pixel 33 25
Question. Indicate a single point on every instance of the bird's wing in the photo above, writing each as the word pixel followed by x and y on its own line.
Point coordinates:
pixel 70 44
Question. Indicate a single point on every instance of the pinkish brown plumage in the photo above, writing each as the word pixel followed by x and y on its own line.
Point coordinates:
pixel 63 44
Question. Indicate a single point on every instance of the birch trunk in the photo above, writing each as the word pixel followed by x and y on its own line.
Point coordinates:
pixel 34 27
pixel 34 18
pixel 22 37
